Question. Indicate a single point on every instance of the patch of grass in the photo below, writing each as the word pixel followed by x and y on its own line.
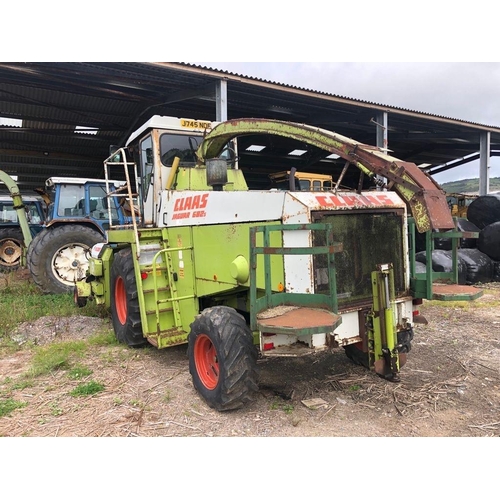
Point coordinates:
pixel 21 300
pixel 23 384
pixel 79 372
pixel 9 405
pixel 87 389
pixel 56 357
pixel 103 339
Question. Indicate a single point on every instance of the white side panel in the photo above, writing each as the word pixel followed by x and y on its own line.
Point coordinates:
pixel 349 327
pixel 298 268
pixel 404 311
pixel 194 208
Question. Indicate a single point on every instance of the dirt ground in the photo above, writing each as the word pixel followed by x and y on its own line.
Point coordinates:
pixel 450 386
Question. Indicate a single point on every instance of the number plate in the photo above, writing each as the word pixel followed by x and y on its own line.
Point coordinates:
pixel 200 124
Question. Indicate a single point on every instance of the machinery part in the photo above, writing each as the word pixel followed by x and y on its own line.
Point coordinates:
pixel 387 348
pixel 222 358
pixel 18 205
pixel 78 301
pixel 125 311
pixel 382 335
pixel 356 354
pixel 11 248
pixel 58 256
pixel 421 193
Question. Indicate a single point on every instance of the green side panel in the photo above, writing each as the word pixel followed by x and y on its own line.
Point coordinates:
pixel 101 270
pixel 165 286
pixel 221 253
pixel 195 179
pixel 182 270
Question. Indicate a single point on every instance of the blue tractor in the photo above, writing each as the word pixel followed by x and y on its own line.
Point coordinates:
pixel 79 213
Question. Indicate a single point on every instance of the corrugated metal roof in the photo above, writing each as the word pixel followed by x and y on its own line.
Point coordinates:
pixel 117 97
pixel 347 99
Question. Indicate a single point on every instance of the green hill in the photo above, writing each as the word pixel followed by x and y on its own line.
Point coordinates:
pixel 469 185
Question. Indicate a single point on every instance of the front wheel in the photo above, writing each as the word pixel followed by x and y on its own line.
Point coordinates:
pixel 125 312
pixel 222 358
pixel 11 248
pixel 58 256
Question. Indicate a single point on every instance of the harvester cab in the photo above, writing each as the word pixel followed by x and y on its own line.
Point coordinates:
pixel 238 273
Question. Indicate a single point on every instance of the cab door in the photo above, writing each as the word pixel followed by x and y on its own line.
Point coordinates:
pixel 147 176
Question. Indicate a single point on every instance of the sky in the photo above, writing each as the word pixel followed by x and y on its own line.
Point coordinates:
pixel 467 91
pixel 432 56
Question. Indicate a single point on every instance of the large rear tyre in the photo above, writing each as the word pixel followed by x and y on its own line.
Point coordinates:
pixel 125 311
pixel 222 358
pixel 11 248
pixel 58 257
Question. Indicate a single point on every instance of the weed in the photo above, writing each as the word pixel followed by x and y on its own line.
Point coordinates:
pixel 9 405
pixel 88 389
pixel 55 410
pixel 277 405
pixel 354 387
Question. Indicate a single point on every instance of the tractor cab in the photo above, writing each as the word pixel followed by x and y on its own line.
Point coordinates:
pixel 164 152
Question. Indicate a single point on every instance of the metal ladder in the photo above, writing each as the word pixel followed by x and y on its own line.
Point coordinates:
pixel 124 193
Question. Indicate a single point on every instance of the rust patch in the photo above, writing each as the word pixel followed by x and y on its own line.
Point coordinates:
pixel 301 317
pixel 454 289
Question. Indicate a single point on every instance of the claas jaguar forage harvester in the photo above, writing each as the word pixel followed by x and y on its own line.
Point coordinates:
pixel 239 274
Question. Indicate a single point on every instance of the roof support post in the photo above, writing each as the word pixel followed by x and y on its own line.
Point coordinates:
pixel 382 138
pixel 484 163
pixel 221 100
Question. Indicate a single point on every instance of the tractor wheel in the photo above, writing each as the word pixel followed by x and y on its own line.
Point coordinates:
pixel 125 311
pixel 222 358
pixel 58 257
pixel 11 248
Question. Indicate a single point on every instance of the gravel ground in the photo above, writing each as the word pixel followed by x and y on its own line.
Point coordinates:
pixel 450 386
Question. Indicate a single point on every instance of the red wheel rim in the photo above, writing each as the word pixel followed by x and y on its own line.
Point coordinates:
pixel 120 300
pixel 207 364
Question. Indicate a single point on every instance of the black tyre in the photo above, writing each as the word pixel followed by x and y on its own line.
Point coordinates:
pixel 11 248
pixel 223 358
pixel 58 256
pixel 125 311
